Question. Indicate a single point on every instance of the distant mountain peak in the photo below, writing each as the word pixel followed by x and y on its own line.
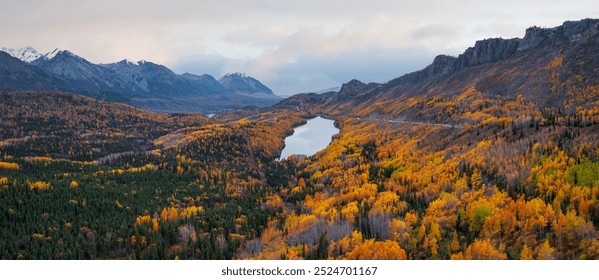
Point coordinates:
pixel 237 74
pixel 53 53
pixel 26 54
pixel 241 83
pixel 130 62
pixel 56 53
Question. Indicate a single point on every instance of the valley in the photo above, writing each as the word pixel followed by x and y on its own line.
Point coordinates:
pixel 489 155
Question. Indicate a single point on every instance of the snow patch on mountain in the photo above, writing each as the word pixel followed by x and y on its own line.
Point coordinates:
pixel 26 54
pixel 52 54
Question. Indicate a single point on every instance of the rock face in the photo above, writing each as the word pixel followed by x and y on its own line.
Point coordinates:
pixel 492 50
pixel 355 87
pixel 486 51
pixel 577 30
pixel 545 68
pixel 570 31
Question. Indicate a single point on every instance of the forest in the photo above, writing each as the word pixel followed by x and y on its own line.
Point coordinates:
pixel 497 160
pixel 506 185
pixel 141 186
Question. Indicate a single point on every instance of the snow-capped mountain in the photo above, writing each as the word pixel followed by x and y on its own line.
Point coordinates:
pixel 240 83
pixel 142 83
pixel 68 65
pixel 18 75
pixel 27 54
pixel 82 74
pixel 52 54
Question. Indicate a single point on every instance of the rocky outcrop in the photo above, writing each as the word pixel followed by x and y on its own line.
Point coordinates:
pixel 578 30
pixel 485 51
pixel 355 87
pixel 536 36
pixel 570 32
pixel 496 49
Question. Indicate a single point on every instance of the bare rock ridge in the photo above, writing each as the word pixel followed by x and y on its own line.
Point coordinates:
pixel 570 31
pixel 545 67
pixel 492 50
pixel 355 87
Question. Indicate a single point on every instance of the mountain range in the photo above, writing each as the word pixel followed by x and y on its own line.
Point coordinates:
pixel 545 68
pixel 142 83
pixel 491 154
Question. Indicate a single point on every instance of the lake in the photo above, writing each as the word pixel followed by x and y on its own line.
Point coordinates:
pixel 310 138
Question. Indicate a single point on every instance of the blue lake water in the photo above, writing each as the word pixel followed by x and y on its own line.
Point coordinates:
pixel 310 138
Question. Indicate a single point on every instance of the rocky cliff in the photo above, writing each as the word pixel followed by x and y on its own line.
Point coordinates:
pixel 496 49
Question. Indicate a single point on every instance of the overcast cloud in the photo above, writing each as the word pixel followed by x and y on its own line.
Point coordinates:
pixel 292 46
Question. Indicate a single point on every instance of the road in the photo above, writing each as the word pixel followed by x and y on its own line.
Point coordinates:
pixel 410 122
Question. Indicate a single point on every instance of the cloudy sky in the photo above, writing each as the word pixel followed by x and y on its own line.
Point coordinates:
pixel 290 45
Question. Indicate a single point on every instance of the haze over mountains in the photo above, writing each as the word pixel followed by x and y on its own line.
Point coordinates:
pixel 544 67
pixel 142 83
pixel 155 87
pixel 492 154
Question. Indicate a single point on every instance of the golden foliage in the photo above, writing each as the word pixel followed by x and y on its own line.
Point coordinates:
pixel 39 185
pixel 483 250
pixel 525 254
pixel 9 165
pixel 73 185
pixel 377 250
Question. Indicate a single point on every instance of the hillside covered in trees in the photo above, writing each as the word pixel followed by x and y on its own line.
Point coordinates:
pixel 489 155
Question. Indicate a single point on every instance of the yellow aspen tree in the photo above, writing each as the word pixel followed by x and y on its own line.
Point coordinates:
pixel 73 185
pixel 155 225
pixel 525 254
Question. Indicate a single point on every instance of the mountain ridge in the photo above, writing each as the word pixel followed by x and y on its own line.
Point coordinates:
pixel 242 84
pixel 542 62
pixel 26 54
pixel 142 83
pixel 489 155
pixel 12 70
pixel 495 49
